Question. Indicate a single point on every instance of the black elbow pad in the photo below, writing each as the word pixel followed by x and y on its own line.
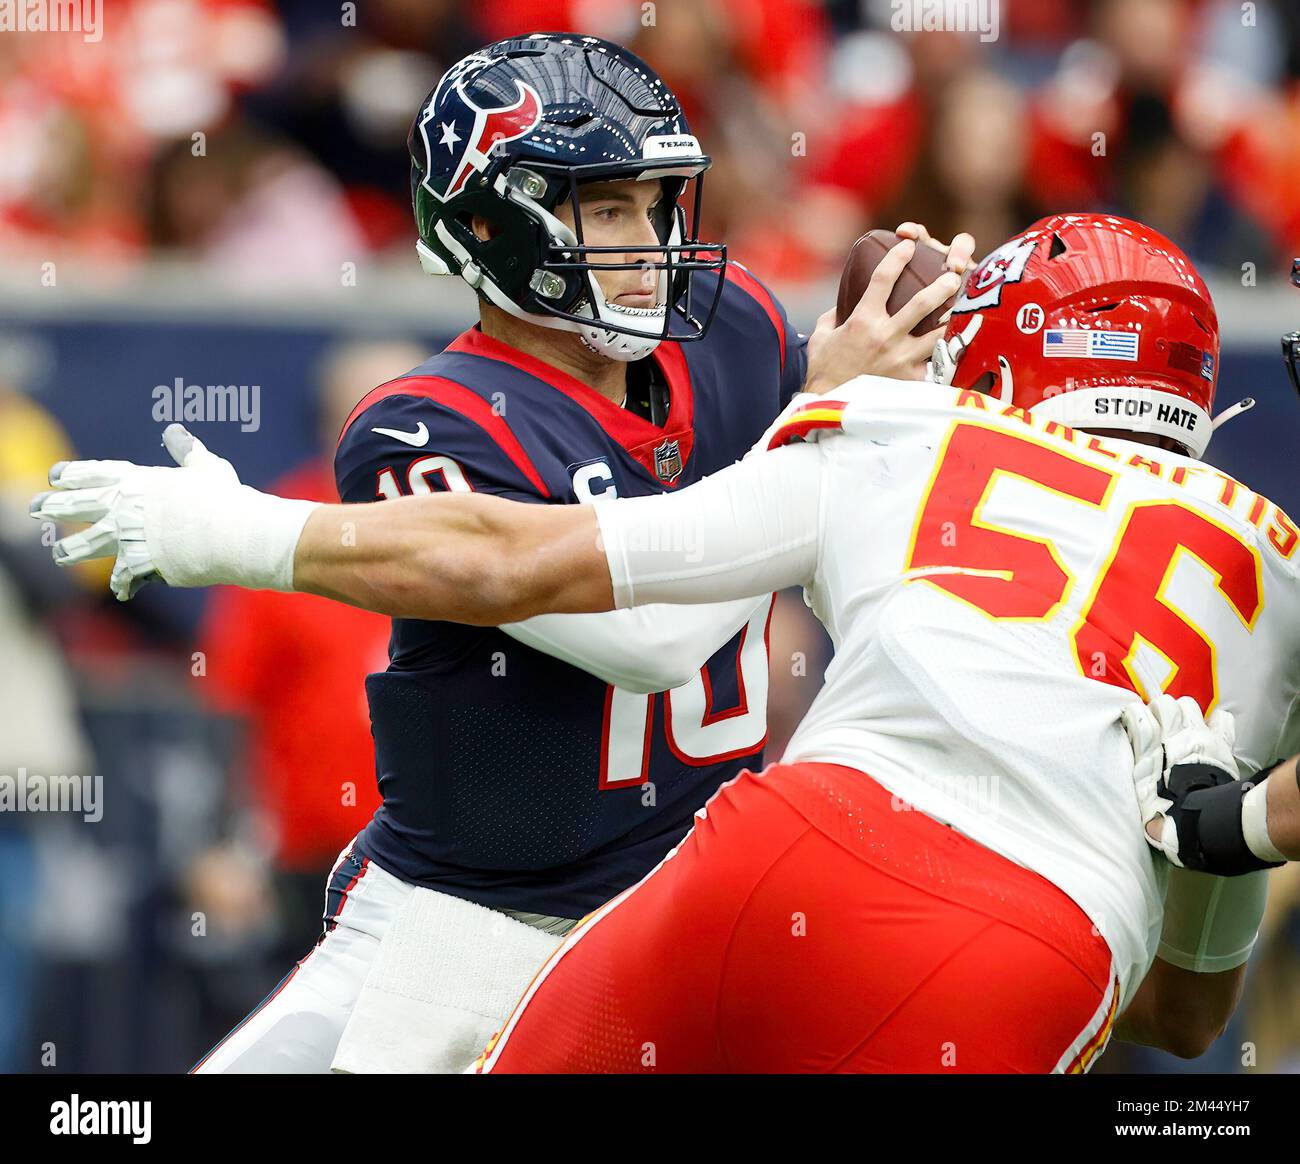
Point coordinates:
pixel 1207 814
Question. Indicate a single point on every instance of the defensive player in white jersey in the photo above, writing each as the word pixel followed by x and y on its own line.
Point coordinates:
pixel 949 869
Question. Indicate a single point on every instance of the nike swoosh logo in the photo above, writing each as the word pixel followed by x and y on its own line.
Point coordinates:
pixel 418 438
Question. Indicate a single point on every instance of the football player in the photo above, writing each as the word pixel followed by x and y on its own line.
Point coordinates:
pixel 531 772
pixel 949 870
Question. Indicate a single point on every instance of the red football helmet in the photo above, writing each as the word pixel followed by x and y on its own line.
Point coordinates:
pixel 1096 321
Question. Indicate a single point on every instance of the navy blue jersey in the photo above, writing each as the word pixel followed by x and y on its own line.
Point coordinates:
pixel 508 777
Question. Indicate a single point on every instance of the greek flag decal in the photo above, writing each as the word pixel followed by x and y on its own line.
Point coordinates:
pixel 1086 344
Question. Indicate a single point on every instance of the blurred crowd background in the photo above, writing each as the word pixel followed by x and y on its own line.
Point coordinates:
pixel 258 149
pixel 818 116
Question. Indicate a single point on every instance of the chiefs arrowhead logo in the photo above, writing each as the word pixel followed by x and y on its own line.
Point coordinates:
pixel 1005 265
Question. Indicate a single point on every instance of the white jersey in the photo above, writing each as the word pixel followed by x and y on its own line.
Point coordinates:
pixel 997 589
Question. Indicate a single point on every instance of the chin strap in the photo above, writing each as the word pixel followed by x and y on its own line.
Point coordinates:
pixel 618 345
pixel 948 352
pixel 1243 405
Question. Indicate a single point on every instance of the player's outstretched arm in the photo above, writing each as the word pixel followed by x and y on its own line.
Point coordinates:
pixel 470 558
pixel 746 531
pixel 750 529
pixel 457 557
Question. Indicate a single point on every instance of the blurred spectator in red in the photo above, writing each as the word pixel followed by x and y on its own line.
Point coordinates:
pixel 1264 169
pixel 869 144
pixel 608 18
pixel 293 666
pixel 921 132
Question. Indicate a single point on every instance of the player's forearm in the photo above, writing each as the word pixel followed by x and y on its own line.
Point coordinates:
pixel 472 559
pixel 1282 797
pixel 1180 1011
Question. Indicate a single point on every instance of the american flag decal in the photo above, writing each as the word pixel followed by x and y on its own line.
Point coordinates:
pixel 1096 345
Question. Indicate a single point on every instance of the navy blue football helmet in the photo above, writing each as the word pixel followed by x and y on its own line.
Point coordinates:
pixel 516 127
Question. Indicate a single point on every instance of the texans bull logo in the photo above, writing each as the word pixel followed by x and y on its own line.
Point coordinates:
pixel 468 133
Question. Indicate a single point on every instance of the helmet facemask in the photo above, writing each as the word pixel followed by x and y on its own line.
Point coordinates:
pixel 563 291
pixel 623 332
pixel 570 267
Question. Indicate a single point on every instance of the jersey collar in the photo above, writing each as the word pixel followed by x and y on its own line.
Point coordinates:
pixel 669 447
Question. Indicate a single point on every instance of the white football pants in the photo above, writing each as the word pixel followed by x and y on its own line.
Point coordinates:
pixel 402 979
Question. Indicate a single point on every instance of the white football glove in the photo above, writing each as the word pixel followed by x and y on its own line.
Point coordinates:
pixel 194 525
pixel 1167 732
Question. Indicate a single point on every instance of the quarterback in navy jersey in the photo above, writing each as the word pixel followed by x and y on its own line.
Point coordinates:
pixel 510 777
pixel 531 772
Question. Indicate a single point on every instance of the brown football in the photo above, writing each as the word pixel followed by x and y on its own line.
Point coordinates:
pixel 926 266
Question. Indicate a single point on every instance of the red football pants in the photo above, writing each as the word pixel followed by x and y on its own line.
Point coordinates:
pixel 811 922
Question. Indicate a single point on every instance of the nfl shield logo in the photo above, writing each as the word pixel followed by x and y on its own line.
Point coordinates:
pixel 668 462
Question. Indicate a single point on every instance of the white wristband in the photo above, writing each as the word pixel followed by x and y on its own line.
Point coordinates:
pixel 1254 824
pixel 246 538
